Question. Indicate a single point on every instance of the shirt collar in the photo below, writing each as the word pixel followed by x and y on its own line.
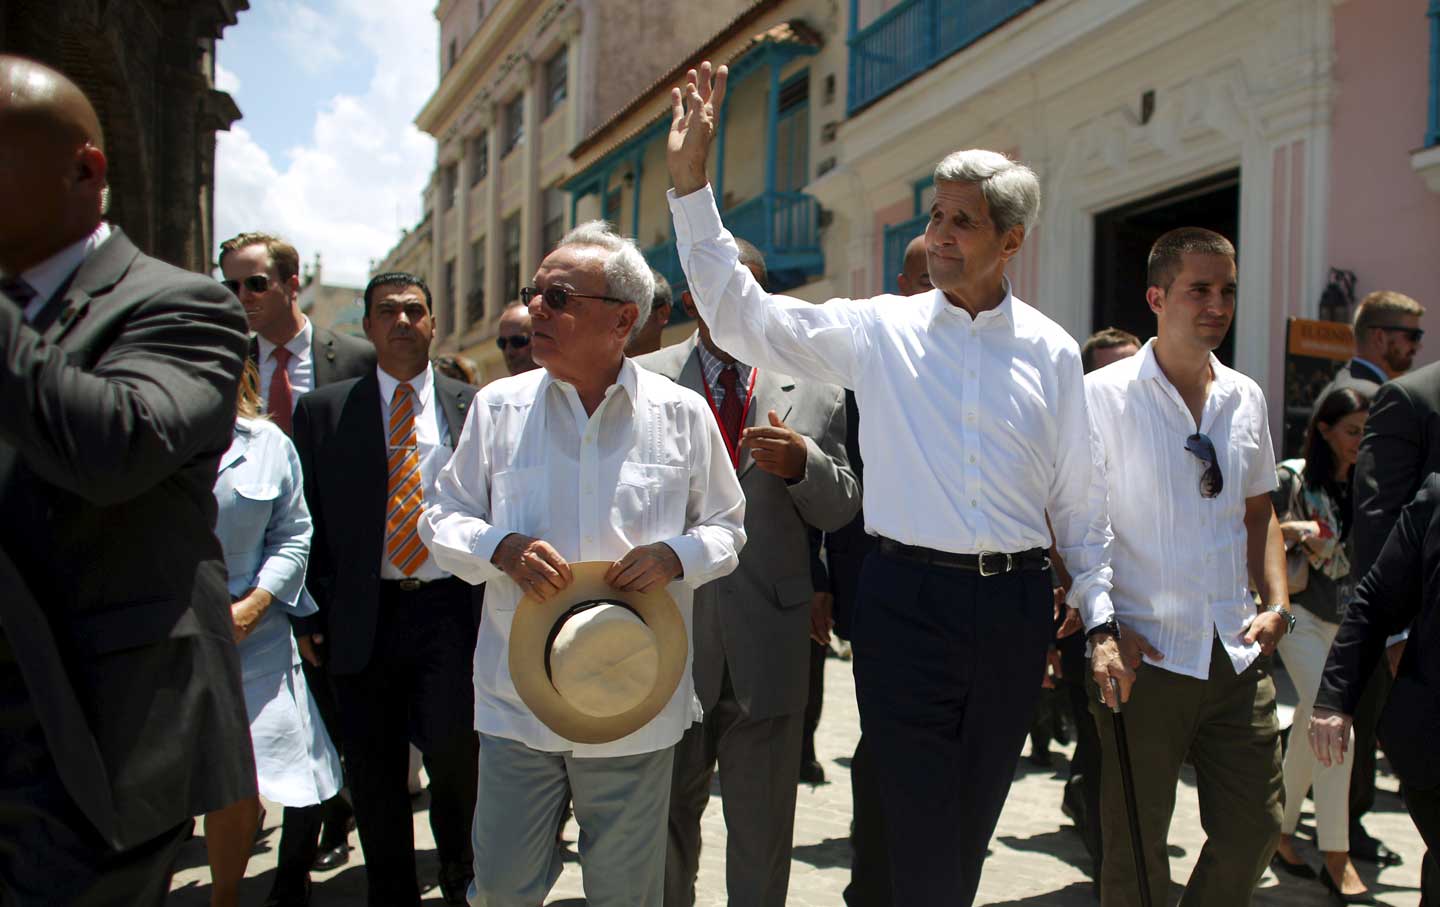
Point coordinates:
pixel 1379 372
pixel 47 277
pixel 423 383
pixel 712 366
pixel 299 345
pixel 1224 378
pixel 628 381
pixel 940 305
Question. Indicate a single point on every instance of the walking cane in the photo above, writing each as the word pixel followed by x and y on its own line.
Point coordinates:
pixel 1127 779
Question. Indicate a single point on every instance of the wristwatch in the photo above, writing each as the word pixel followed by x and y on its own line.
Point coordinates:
pixel 1285 613
pixel 1111 626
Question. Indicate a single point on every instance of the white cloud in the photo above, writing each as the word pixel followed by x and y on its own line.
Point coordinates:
pixel 339 193
pixel 309 37
pixel 225 80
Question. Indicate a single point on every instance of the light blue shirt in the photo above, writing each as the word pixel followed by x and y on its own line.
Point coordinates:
pixel 264 528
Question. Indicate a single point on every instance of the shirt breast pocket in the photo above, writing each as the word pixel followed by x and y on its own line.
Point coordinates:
pixel 650 501
pixel 249 512
pixel 520 502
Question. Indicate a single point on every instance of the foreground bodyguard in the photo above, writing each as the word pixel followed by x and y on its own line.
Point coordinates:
pixel 121 713
pixel 955 611
pixel 589 459
pixel 1190 466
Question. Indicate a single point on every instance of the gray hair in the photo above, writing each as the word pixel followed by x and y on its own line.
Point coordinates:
pixel 627 274
pixel 1010 188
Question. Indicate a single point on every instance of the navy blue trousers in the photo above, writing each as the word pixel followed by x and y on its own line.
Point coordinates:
pixel 948 666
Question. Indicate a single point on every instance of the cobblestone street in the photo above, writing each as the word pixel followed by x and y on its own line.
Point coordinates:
pixel 1036 856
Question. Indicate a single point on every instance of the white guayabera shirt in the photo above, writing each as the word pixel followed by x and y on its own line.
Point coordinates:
pixel 648 466
pixel 1181 564
pixel 971 429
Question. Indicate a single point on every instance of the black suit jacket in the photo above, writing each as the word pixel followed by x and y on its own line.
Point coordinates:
pixel 342 452
pixel 1401 447
pixel 1353 375
pixel 1403 586
pixel 337 357
pixel 112 584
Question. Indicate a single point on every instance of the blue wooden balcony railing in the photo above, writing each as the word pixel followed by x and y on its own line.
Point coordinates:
pixel 913 36
pixel 785 226
pixel 897 237
pixel 1432 126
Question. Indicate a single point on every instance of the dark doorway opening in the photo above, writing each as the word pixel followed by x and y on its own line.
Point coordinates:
pixel 1123 237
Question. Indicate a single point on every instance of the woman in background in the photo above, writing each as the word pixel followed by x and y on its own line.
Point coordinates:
pixel 264 527
pixel 1313 505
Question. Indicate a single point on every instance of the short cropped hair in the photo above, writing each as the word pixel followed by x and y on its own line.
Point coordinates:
pixel 1384 308
pixel 1168 254
pixel 397 279
pixel 1107 339
pixel 663 294
pixel 752 257
pixel 282 254
pixel 1011 189
pixel 627 274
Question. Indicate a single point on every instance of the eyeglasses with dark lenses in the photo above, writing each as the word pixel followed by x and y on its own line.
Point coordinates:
pixel 1413 334
pixel 1212 482
pixel 255 283
pixel 517 341
pixel 558 297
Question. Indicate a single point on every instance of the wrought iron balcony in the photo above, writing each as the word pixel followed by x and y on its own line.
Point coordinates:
pixel 913 36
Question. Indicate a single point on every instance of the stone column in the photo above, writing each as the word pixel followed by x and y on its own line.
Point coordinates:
pixel 494 285
pixel 462 246
pixel 437 245
pixel 531 215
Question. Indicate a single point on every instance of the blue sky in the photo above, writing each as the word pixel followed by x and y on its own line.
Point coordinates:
pixel 326 154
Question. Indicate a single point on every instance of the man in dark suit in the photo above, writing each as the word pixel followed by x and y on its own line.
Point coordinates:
pixel 1399 590
pixel 1387 337
pixel 121 711
pixel 293 357
pixel 1401 447
pixel 752 629
pixel 397 632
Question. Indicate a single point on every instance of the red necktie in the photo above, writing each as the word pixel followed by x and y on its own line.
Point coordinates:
pixel 280 403
pixel 732 408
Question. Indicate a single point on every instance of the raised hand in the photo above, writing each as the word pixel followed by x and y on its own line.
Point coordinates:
pixel 695 116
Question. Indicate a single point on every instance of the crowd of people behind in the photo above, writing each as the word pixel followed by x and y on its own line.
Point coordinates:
pixel 300 564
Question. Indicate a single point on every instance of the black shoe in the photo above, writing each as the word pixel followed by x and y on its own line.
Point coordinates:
pixel 291 895
pixel 1299 870
pixel 1364 847
pixel 811 772
pixel 455 882
pixel 1040 758
pixel 1337 896
pixel 331 858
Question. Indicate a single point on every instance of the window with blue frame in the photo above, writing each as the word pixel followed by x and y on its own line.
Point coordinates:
pixel 792 163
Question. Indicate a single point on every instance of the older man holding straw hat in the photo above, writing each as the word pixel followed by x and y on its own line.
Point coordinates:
pixel 592 496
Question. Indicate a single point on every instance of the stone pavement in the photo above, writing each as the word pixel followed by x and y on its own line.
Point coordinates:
pixel 1036 857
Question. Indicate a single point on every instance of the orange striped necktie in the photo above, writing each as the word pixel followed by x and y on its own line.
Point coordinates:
pixel 402 514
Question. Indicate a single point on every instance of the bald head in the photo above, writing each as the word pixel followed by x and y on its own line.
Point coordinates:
pixel 52 163
pixel 914 276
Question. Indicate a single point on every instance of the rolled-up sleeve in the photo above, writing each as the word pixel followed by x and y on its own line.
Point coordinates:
pixel 1079 512
pixel 715 510
pixel 823 342
pixel 287 535
pixel 456 526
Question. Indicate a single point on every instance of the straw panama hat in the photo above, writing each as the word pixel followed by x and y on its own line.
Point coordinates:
pixel 595 663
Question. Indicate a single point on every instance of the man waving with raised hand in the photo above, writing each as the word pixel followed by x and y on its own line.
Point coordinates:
pixel 973 426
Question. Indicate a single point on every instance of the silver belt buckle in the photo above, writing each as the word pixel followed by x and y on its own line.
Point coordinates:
pixel 410 584
pixel 1009 563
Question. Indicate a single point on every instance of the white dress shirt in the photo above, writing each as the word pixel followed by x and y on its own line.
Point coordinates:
pixel 48 276
pixel 971 429
pixel 433 445
pixel 648 466
pixel 301 366
pixel 1182 572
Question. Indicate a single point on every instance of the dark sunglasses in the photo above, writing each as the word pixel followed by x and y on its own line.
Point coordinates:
pixel 558 297
pixel 255 283
pixel 1211 480
pixel 518 342
pixel 1414 334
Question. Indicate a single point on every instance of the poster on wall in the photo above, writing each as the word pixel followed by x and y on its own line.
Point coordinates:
pixel 1314 352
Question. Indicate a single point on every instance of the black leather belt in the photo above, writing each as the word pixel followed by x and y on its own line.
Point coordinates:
pixel 411 584
pixel 986 563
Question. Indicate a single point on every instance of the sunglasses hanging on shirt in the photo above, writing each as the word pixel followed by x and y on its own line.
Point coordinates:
pixel 1212 482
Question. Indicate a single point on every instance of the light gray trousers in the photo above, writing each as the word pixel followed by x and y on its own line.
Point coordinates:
pixel 621 803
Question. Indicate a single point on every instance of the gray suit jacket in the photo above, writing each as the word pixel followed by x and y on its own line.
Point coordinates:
pixel 337 357
pixel 114 412
pixel 756 621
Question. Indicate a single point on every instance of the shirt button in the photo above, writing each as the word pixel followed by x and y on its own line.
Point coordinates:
pixel 974 503
pixel 972 458
pixel 970 372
